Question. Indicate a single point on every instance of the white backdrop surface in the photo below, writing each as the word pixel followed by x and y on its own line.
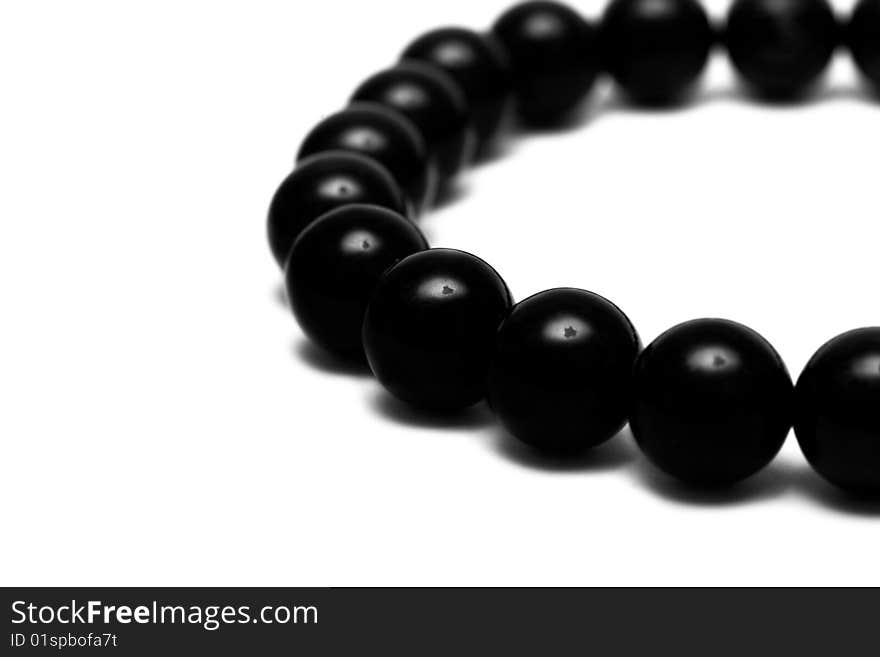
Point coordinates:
pixel 164 423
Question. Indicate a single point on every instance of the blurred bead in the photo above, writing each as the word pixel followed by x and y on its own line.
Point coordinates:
pixel 479 67
pixel 554 58
pixel 656 49
pixel 430 327
pixel 712 402
pixel 434 103
pixel 382 134
pixel 321 183
pixel 781 47
pixel 561 373
pixel 837 420
pixel 864 39
pixel 334 267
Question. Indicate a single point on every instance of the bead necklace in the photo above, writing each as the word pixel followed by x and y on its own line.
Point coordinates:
pixel 710 401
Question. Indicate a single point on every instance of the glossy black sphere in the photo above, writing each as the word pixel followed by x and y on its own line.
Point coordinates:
pixel 321 183
pixel 781 47
pixel 561 372
pixel 430 327
pixel 480 68
pixel 334 267
pixel 554 57
pixel 655 49
pixel 434 103
pixel 837 418
pixel 712 402
pixel 382 134
pixel 863 37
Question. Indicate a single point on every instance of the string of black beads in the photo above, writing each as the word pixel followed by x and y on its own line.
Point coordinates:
pixel 709 401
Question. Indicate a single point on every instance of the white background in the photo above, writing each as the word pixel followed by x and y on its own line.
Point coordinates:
pixel 164 423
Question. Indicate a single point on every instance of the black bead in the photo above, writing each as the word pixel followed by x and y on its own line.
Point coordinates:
pixel 434 103
pixel 864 39
pixel 334 267
pixel 321 183
pixel 430 327
pixel 561 372
pixel 655 49
pixel 479 66
pixel 554 57
pixel 781 47
pixel 712 402
pixel 382 134
pixel 837 418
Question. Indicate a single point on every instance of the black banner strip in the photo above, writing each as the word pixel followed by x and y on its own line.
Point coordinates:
pixel 292 621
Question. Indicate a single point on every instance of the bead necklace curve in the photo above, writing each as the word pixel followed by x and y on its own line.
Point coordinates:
pixel 710 402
